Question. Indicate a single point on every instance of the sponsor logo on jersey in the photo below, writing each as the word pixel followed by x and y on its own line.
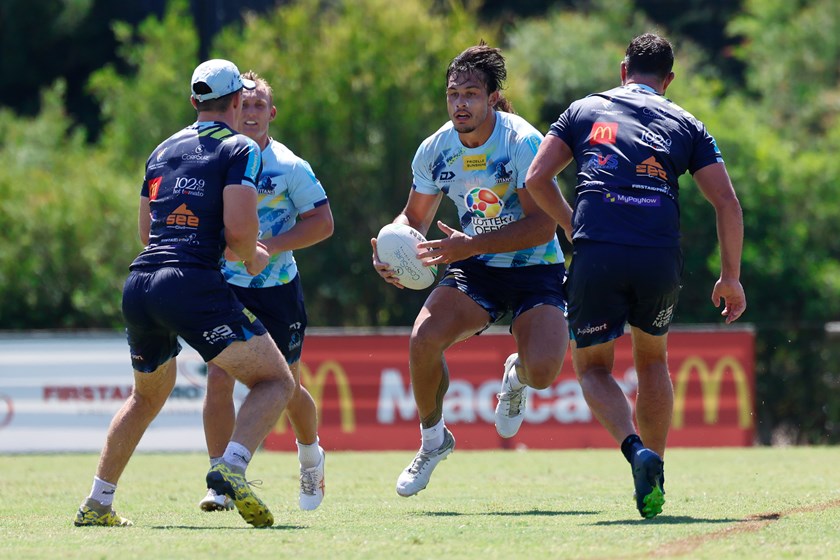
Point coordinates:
pixel 218 334
pixel 601 161
pixel 502 174
pixel 265 186
pixel 603 133
pixel 455 155
pixel 651 168
pixel 656 141
pixel 663 318
pixel 189 186
pixel 484 225
pixel 591 329
pixel 654 113
pixel 606 112
pixel 154 187
pixel 534 143
pixel 649 200
pixel 196 155
pixel 182 218
pixel 483 203
pixel 447 176
pixel 475 163
pixel 295 338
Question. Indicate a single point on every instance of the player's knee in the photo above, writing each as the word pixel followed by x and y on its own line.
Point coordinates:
pixel 426 341
pixel 542 372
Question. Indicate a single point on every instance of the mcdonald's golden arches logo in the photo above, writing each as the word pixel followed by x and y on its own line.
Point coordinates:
pixel 603 133
pixel 315 385
pixel 710 383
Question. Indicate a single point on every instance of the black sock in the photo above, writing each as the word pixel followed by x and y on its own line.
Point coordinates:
pixel 630 445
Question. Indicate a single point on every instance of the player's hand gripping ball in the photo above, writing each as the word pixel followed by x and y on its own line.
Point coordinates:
pixel 396 245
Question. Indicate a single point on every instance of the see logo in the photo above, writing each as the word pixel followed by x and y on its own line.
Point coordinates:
pixel 652 168
pixel 183 217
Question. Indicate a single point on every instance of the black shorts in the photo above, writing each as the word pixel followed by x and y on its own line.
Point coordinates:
pixel 281 311
pixel 610 285
pixel 196 304
pixel 502 290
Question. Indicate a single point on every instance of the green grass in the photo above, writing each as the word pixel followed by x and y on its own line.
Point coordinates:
pixel 721 503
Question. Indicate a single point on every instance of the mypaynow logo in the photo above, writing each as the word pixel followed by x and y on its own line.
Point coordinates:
pixel 652 200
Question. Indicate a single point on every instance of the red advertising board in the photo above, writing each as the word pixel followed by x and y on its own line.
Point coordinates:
pixel 361 385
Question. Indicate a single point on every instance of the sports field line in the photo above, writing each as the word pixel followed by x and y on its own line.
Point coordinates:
pixel 749 524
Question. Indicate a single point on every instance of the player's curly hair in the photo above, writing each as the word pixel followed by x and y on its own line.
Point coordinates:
pixel 649 54
pixel 488 64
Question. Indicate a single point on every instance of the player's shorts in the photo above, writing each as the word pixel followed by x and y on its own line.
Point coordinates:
pixel 610 285
pixel 281 311
pixel 194 303
pixel 502 290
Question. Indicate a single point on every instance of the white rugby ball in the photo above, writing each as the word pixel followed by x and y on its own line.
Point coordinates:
pixel 396 245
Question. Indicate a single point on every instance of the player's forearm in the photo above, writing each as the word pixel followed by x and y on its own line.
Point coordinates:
pixel 730 229
pixel 305 233
pixel 242 240
pixel 548 197
pixel 528 231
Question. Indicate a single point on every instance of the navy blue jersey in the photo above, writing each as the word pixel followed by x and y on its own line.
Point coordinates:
pixel 185 177
pixel 631 145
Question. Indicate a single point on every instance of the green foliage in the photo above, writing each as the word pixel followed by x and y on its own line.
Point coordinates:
pixel 550 69
pixel 53 24
pixel 355 96
pixel 66 242
pixel 143 109
pixel 791 50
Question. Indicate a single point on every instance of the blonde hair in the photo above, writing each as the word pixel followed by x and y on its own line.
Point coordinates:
pixel 261 82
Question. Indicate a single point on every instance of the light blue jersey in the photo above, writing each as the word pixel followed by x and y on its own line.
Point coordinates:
pixel 484 182
pixel 286 189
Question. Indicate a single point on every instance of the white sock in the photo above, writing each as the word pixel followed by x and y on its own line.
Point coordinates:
pixel 309 455
pixel 237 455
pixel 513 377
pixel 215 461
pixel 432 437
pixel 103 492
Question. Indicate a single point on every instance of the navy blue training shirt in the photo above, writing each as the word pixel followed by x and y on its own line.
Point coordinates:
pixel 631 145
pixel 185 177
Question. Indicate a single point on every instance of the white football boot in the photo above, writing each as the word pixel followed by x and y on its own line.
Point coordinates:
pixel 416 476
pixel 312 485
pixel 215 502
pixel 510 411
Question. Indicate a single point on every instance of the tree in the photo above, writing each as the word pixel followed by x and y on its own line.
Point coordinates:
pixel 69 226
pixel 356 95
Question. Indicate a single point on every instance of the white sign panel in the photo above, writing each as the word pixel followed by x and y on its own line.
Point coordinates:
pixel 59 393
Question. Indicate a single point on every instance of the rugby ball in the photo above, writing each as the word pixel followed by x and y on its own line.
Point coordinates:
pixel 396 245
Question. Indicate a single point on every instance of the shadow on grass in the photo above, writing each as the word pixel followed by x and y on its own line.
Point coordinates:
pixel 242 528
pixel 532 512
pixel 667 520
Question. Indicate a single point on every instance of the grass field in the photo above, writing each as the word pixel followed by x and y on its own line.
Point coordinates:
pixel 721 503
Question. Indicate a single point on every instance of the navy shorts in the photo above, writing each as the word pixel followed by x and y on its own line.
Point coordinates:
pixel 502 290
pixel 610 285
pixel 281 311
pixel 194 303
